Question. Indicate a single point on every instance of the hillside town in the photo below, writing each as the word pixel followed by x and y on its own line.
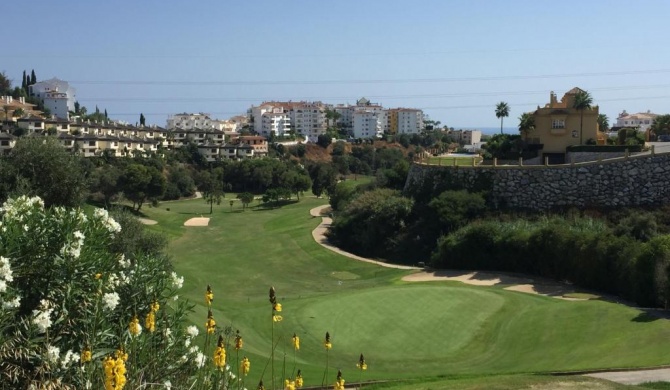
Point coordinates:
pixel 50 107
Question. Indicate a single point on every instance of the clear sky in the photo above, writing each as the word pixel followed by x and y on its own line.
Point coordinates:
pixel 455 59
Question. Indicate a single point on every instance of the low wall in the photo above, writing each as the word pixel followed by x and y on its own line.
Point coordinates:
pixel 633 181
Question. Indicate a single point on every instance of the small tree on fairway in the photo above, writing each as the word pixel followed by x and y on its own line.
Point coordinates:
pixel 231 204
pixel 245 198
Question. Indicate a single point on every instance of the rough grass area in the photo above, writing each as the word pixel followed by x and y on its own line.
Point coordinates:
pixel 515 382
pixel 406 330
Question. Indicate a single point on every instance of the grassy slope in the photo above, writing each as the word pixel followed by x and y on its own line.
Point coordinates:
pixel 405 330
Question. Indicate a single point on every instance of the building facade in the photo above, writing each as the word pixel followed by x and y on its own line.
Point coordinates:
pixel 642 120
pixel 48 89
pixel 559 125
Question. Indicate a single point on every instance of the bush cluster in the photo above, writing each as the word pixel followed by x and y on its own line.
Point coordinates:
pixel 583 251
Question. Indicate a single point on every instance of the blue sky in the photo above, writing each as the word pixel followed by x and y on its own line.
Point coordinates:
pixel 455 59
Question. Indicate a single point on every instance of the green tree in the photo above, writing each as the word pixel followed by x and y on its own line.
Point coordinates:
pixel 324 178
pixel 245 198
pixel 526 124
pixel 42 167
pixel 142 119
pixel 33 78
pixel 211 188
pixel 455 208
pixel 603 122
pixel 105 180
pixel 140 183
pixel 18 113
pixel 5 84
pixel 324 140
pixel 502 111
pixel 661 125
pixel 77 106
pixel 24 82
pixel 583 101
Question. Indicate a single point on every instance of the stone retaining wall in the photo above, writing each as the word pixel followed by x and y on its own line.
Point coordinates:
pixel 634 181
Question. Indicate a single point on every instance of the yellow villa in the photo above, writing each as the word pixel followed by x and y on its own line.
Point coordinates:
pixel 557 125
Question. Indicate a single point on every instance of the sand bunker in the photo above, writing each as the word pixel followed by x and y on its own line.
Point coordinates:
pixel 199 221
pixel 473 278
pixel 147 221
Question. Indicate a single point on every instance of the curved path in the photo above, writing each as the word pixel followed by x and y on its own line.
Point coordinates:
pixel 319 235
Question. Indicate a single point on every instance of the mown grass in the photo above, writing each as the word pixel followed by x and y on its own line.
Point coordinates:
pixel 504 382
pixel 405 330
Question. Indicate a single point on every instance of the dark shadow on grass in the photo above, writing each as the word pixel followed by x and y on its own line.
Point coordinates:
pixel 274 205
pixel 651 315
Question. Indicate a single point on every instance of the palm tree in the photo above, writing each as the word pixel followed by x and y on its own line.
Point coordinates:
pixel 502 111
pixel 526 124
pixel 583 101
pixel 603 122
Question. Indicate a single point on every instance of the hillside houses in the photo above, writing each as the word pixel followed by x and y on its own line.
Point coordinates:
pixel 118 139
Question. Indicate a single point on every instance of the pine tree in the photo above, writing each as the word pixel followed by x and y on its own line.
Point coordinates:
pixel 33 78
pixel 97 110
pixel 106 117
pixel 142 119
pixel 24 82
pixel 76 107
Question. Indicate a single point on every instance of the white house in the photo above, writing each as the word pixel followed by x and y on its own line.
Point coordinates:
pixel 641 120
pixel 41 88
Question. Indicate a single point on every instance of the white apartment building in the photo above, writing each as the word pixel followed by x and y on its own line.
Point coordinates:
pixel 56 103
pixel 201 120
pixel 366 124
pixel 467 137
pixel 410 121
pixel 308 119
pixel 641 120
pixel 54 85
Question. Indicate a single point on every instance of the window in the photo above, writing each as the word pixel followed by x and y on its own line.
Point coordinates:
pixel 91 143
pixel 4 143
pixel 558 124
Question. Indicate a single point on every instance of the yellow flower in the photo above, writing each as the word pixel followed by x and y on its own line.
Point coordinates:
pixel 296 342
pixel 276 307
pixel 298 380
pixel 150 322
pixel 277 318
pixel 210 324
pixel 155 306
pixel 361 363
pixel 134 327
pixel 326 343
pixel 339 382
pixel 209 295
pixel 245 366
pixel 86 355
pixel 289 385
pixel 238 341
pixel 220 354
pixel 98 275
pixel 121 354
pixel 115 373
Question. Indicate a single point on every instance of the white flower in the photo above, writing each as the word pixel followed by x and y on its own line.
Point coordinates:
pixel 43 318
pixel 192 331
pixel 79 235
pixel 53 353
pixel 25 228
pixel 14 303
pixel 69 358
pixel 167 384
pixel 200 360
pixel 3 286
pixel 113 281
pixel 183 358
pixel 5 269
pixel 175 298
pixel 88 384
pixel 187 342
pixel 177 281
pixel 111 300
pixel 123 262
pixel 110 224
pixel 194 349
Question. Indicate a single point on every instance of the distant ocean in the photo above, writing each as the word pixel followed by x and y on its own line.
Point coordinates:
pixel 491 130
